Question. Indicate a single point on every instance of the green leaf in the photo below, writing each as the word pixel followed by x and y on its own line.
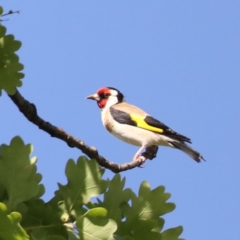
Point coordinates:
pixel 115 197
pixel 143 229
pixel 96 212
pixel 123 237
pixel 172 233
pixel 10 67
pixel 160 224
pixel 29 220
pixel 57 208
pixel 38 215
pixel 39 234
pixel 55 237
pixel 3 193
pixel 152 204
pixel 93 225
pixel 1 10
pixel 84 182
pixel 17 174
pixel 3 31
pixel 146 210
pixel 10 228
pixel 10 44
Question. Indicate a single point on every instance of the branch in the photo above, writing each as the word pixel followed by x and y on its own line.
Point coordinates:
pixel 30 112
pixel 10 12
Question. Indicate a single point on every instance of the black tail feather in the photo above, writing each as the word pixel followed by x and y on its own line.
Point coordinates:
pixel 188 150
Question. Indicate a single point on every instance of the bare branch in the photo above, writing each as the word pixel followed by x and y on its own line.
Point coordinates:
pixel 30 112
pixel 10 12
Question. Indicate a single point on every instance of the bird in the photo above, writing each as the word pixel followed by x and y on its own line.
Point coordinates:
pixel 134 126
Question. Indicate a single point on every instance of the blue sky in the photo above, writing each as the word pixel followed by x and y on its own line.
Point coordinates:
pixel 178 60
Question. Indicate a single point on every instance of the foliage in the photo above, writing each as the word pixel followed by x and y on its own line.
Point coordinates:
pixel 71 214
pixel 10 66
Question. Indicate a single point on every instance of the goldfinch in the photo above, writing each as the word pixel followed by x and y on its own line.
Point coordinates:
pixel 134 126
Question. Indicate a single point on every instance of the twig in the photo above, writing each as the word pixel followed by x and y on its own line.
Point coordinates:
pixel 30 112
pixel 10 12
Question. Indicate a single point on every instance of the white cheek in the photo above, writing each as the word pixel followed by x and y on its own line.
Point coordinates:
pixel 111 101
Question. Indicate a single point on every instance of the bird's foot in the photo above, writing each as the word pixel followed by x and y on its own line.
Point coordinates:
pixel 150 153
pixel 141 160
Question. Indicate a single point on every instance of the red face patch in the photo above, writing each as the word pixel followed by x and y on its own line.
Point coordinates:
pixel 102 103
pixel 103 91
pixel 103 94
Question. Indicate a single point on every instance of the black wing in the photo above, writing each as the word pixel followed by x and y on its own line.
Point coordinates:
pixel 122 117
pixel 166 130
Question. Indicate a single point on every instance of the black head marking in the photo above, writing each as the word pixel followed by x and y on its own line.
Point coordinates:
pixel 120 96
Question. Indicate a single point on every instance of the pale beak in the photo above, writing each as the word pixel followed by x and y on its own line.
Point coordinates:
pixel 94 97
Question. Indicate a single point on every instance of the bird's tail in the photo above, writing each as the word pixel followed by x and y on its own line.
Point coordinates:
pixel 188 150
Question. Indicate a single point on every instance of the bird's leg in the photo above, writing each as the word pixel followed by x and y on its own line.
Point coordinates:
pixel 138 153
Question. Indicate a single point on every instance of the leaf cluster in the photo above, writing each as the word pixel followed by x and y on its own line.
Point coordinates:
pixel 117 212
pixel 10 67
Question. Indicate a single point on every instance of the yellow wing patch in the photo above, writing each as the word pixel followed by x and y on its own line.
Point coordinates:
pixel 142 124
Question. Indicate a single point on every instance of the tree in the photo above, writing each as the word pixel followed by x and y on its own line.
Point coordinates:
pixel 70 214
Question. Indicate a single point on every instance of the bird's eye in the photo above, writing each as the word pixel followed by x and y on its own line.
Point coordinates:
pixel 106 95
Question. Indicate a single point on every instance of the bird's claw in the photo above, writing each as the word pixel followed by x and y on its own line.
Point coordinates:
pixel 150 153
pixel 140 159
